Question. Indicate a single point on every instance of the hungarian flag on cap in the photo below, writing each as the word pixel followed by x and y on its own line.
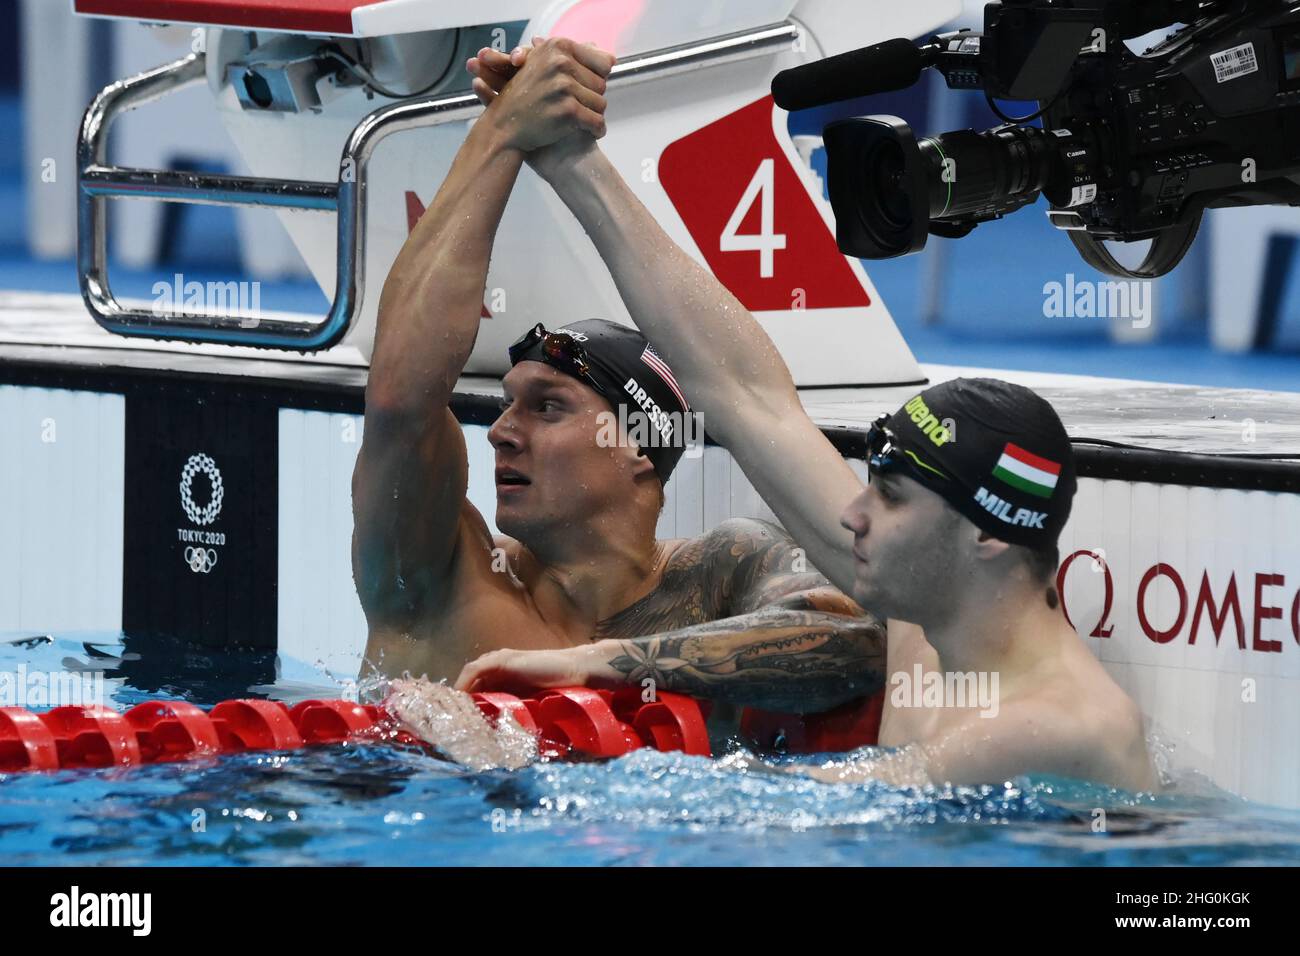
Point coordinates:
pixel 1027 471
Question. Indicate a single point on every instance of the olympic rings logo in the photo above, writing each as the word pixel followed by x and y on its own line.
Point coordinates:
pixel 201 560
pixel 201 463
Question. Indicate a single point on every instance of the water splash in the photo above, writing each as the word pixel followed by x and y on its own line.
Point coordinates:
pixel 652 789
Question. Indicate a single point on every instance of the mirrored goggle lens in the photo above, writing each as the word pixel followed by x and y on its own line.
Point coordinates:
pixel 561 348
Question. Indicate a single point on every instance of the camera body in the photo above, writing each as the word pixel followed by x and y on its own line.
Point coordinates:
pixel 1131 147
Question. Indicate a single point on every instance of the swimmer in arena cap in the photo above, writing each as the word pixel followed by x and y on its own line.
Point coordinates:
pixel 953 540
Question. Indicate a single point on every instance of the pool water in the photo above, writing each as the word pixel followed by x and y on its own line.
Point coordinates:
pixel 380 804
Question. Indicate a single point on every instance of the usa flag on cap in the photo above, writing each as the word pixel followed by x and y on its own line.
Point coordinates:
pixel 660 367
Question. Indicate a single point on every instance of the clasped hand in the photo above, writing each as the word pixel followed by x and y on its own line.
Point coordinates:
pixel 542 95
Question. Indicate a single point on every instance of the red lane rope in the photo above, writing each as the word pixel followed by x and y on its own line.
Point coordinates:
pixel 568 721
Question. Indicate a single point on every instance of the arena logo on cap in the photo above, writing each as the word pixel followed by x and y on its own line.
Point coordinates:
pixel 933 429
pixel 1027 471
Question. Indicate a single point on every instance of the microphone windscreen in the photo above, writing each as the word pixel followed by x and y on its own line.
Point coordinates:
pixel 891 65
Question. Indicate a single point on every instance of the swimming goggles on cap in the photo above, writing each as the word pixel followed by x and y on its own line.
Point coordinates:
pixel 887 456
pixel 560 350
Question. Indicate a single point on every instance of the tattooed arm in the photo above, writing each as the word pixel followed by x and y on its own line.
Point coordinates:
pixel 790 656
pixel 740 616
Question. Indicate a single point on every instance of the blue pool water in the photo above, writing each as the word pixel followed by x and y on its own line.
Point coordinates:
pixel 377 804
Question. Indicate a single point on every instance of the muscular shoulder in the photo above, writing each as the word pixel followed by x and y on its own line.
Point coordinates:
pixel 739 566
pixel 733 545
pixel 1108 730
pixel 1046 732
pixel 754 564
pixel 745 536
pixel 1078 690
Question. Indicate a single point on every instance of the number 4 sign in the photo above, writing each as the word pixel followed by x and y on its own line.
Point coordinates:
pixel 765 241
pixel 750 213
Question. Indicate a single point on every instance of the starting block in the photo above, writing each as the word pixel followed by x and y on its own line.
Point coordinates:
pixel 313 92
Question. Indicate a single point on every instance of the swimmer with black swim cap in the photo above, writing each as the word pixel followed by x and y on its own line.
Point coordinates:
pixel 953 539
pixel 619 365
pixel 969 442
pixel 971 482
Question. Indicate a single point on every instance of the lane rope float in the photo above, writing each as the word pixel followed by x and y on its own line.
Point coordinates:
pixel 568 721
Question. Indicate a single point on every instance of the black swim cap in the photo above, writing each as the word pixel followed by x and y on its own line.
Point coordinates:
pixel 996 452
pixel 637 383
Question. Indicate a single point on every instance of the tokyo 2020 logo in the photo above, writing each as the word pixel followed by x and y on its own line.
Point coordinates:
pixel 208 514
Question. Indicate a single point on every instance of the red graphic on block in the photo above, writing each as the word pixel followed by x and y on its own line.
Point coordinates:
pixel 749 211
pixel 296 16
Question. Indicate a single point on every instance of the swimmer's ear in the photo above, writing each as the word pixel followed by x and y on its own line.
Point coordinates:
pixel 633 457
pixel 641 468
pixel 987 547
pixel 641 465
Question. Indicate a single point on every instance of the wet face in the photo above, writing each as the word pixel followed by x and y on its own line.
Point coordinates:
pixel 551 471
pixel 908 549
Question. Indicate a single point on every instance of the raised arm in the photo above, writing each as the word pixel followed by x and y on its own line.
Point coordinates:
pixel 409 483
pixel 742 386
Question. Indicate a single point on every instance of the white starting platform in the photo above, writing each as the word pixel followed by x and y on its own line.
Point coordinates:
pixel 131 434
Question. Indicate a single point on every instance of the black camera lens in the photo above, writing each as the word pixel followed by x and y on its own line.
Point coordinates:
pixel 887 168
pixel 877 187
pixel 985 174
pixel 889 192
